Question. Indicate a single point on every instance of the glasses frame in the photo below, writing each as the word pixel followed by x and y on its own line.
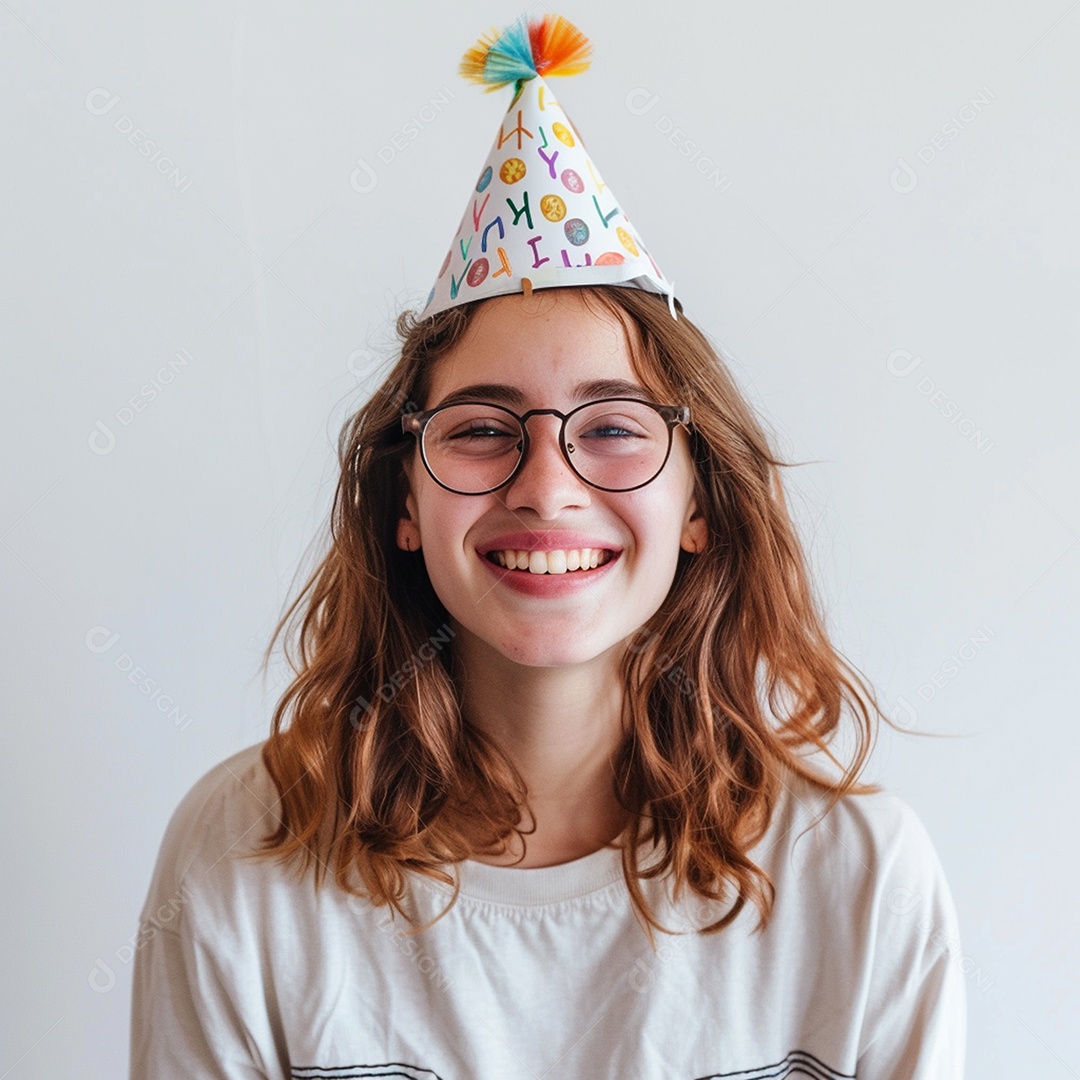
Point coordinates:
pixel 416 423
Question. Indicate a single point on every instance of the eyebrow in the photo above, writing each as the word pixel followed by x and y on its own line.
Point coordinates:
pixel 501 393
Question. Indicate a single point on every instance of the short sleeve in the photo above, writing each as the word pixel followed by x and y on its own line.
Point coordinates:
pixel 915 1024
pixel 182 1024
pixel 185 1019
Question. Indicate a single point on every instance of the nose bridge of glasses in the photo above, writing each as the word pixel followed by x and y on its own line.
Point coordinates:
pixel 527 416
pixel 555 425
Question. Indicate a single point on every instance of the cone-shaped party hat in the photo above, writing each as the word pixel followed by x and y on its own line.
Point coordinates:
pixel 540 214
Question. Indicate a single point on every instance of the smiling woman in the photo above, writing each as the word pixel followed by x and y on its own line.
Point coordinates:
pixel 544 347
pixel 579 504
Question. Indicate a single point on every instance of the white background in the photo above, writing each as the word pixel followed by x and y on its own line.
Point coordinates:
pixel 944 547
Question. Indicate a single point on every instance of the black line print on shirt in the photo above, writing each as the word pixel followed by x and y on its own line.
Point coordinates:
pixel 348 1072
pixel 796 1063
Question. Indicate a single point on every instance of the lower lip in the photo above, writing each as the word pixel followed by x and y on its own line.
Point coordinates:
pixel 529 584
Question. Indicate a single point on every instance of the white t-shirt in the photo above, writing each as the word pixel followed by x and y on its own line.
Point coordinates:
pixel 242 971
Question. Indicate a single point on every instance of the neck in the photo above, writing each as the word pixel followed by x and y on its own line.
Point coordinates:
pixel 560 726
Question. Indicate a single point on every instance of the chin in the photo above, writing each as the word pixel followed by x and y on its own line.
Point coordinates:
pixel 544 652
pixel 542 658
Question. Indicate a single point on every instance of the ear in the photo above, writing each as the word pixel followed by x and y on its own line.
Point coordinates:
pixel 408 530
pixel 695 531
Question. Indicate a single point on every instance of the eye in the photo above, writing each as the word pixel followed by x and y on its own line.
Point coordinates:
pixel 610 431
pixel 482 431
pixel 612 426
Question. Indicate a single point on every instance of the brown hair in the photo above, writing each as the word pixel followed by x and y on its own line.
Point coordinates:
pixel 379 771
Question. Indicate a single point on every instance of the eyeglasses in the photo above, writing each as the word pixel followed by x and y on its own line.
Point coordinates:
pixel 614 444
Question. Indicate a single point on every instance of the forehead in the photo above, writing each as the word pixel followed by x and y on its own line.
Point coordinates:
pixel 544 346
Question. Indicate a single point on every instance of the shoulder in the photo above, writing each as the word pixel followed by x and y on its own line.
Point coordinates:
pixel 879 831
pixel 227 810
pixel 872 850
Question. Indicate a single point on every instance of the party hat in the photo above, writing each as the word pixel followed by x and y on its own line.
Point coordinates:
pixel 540 214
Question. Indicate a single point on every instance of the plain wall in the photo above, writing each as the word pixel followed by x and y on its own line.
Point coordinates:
pixel 872 209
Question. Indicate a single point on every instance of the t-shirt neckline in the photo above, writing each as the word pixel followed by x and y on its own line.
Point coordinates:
pixel 519 886
pixel 540 884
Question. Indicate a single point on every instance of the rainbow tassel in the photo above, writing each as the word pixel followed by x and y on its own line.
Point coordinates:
pixel 551 45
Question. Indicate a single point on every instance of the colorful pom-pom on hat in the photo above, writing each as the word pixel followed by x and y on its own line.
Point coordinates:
pixel 540 214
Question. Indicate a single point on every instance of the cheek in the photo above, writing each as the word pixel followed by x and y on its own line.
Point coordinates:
pixel 655 512
pixel 446 521
pixel 439 529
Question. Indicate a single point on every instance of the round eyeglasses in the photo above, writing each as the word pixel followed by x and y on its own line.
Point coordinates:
pixel 614 444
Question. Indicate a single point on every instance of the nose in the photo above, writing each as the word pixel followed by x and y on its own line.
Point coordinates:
pixel 545 483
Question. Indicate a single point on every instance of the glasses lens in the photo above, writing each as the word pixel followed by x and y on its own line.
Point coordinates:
pixel 617 444
pixel 472 447
pixel 614 444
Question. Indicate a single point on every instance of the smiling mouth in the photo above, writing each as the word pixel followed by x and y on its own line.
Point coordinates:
pixel 551 562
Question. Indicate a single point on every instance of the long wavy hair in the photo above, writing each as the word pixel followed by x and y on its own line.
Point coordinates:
pixel 727 686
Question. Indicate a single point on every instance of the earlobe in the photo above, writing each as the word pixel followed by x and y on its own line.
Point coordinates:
pixel 693 542
pixel 695 531
pixel 408 532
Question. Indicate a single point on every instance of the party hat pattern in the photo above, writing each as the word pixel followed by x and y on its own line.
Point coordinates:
pixel 540 214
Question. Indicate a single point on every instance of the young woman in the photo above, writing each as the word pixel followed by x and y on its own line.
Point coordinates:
pixel 543 805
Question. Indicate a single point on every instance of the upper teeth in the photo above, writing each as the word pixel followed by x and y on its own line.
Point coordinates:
pixel 551 562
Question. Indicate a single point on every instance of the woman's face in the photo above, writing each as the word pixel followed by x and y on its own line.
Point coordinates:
pixel 543 347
